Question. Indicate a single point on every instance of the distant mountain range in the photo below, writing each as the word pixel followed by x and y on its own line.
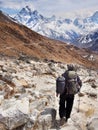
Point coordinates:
pixel 67 30
pixel 89 40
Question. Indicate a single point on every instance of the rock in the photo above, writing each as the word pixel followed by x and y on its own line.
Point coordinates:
pixel 20 89
pixel 36 94
pixel 21 82
pixel 93 85
pixel 81 94
pixel 24 83
pixel 8 91
pixel 89 80
pixel 39 104
pixel 2 126
pixel 46 119
pixel 92 94
pixel 17 95
pixel 4 69
pixel 32 119
pixel 16 114
pixel 15 119
pixel 93 124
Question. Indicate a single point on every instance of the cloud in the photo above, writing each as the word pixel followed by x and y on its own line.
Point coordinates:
pixel 49 4
pixel 50 7
pixel 15 4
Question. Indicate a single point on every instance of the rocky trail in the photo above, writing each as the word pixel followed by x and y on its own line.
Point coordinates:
pixel 28 100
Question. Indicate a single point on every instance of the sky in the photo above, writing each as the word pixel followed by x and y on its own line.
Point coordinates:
pixel 60 8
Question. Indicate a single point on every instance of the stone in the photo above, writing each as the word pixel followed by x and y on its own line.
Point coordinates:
pixel 17 114
pixel 46 119
pixel 93 124
pixel 2 126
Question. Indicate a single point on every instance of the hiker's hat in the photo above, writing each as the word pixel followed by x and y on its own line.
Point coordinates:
pixel 70 67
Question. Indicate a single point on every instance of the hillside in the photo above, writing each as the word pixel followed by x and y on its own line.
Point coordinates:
pixel 17 40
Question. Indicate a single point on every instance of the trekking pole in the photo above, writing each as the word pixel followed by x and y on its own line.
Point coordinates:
pixel 78 104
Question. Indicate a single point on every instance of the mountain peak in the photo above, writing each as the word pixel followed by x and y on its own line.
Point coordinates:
pixel 95 14
pixel 26 10
pixel 35 12
pixel 95 17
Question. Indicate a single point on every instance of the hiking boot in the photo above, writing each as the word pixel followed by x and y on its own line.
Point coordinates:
pixel 66 119
pixel 62 121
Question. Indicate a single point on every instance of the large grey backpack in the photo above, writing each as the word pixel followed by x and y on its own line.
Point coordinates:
pixel 60 85
pixel 72 83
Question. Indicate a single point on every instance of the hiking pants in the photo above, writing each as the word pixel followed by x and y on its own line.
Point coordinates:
pixel 65 105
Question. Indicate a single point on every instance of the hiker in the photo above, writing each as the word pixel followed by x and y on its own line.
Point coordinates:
pixel 67 97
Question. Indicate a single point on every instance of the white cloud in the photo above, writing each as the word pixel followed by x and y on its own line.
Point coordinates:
pixel 50 7
pixel 15 4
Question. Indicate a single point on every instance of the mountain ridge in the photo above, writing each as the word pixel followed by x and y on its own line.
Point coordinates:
pixel 89 40
pixel 66 30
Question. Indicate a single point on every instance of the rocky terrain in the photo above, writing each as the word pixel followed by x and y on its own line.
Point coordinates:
pixel 28 100
pixel 29 66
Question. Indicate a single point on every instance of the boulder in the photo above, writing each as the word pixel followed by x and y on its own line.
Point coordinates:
pixel 15 113
pixel 46 119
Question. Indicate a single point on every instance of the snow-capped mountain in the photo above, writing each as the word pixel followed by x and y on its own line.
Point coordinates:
pixel 67 30
pixel 89 40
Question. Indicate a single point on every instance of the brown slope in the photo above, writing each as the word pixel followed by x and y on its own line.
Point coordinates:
pixel 16 39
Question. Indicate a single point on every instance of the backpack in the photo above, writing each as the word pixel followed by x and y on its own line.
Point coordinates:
pixel 72 85
pixel 60 85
